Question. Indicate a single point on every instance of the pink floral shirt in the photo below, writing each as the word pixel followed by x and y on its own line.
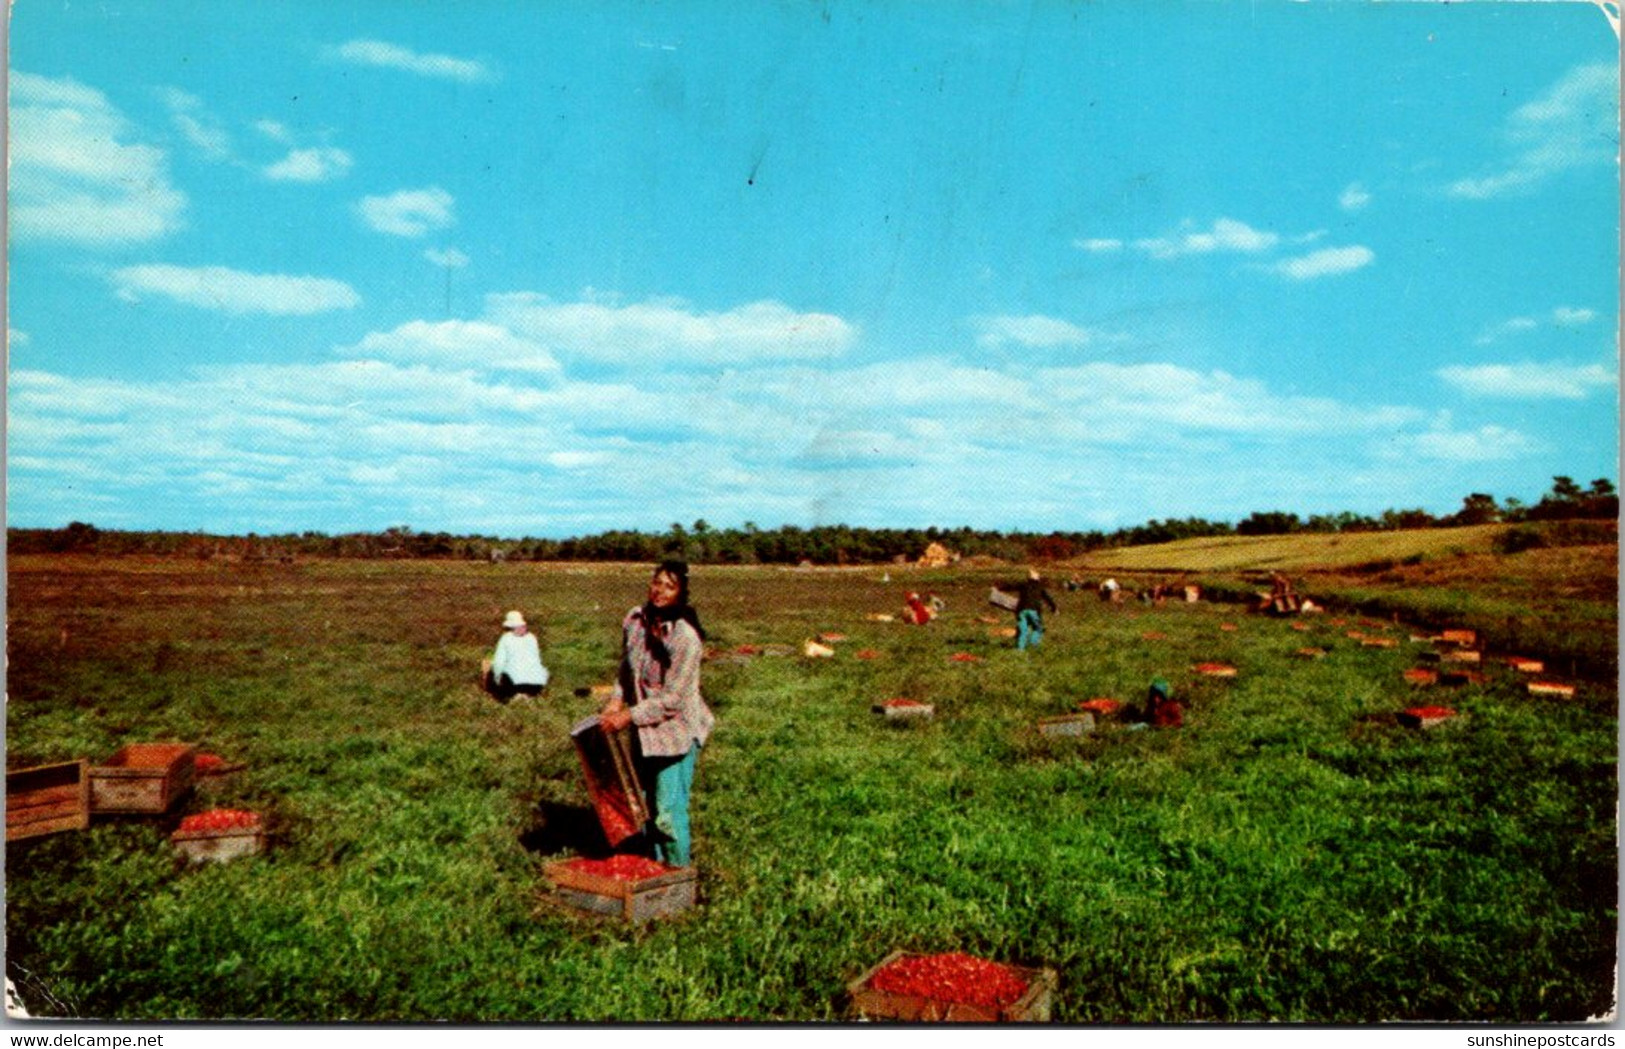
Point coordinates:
pixel 667 709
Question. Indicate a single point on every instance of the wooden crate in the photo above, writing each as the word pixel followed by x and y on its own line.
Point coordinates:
pixel 1551 688
pixel 659 896
pixel 1215 669
pixel 142 777
pixel 1465 655
pixel 1421 676
pixel 1425 717
pixel 1527 666
pixel 1379 642
pixel 872 1004
pixel 1080 724
pixel 218 846
pixel 1459 637
pixel 46 799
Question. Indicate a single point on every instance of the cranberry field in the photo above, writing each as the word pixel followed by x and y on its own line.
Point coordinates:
pixel 1296 851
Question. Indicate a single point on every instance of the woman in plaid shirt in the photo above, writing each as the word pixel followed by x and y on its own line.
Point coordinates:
pixel 658 691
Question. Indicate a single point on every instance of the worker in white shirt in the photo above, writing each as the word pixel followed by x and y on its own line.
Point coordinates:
pixel 516 666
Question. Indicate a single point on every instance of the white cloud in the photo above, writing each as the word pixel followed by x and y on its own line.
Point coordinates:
pixel 1570 315
pixel 233 291
pixel 1485 444
pixel 1510 326
pixel 16 338
pixel 1530 381
pixel 320 164
pixel 76 176
pixel 392 56
pixel 1560 316
pixel 1035 331
pixel 1326 262
pixel 454 443
pixel 578 460
pixel 274 130
pixel 1226 235
pixel 410 212
pixel 456 344
pixel 47 393
pixel 1120 401
pixel 1354 197
pixel 925 385
pixel 1098 244
pixel 358 390
pixel 667 333
pixel 1574 124
pixel 451 258
pixel 197 124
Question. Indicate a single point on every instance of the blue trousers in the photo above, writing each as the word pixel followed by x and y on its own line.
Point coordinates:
pixel 1029 628
pixel 673 779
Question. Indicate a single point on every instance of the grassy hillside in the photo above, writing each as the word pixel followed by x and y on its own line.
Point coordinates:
pixel 1298 552
pixel 1559 598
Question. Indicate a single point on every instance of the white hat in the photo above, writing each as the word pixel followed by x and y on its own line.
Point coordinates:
pixel 513 619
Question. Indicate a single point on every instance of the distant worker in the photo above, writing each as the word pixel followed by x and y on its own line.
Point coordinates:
pixel 1030 599
pixel 1282 599
pixel 1109 590
pixel 916 611
pixel 516 665
pixel 1161 709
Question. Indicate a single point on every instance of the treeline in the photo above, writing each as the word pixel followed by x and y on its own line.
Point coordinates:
pixel 788 544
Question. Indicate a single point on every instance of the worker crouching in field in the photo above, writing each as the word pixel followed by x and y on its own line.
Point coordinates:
pixel 916 611
pixel 1282 601
pixel 1161 709
pixel 515 668
pixel 1030 599
pixel 657 691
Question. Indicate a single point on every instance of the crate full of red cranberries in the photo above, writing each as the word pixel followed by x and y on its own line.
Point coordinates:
pixel 219 835
pixel 953 988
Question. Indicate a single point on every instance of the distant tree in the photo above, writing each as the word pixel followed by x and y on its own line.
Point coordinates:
pixel 80 536
pixel 1568 500
pixel 677 541
pixel 1564 490
pixel 1477 508
pixel 1397 519
pixel 1054 547
pixel 1271 522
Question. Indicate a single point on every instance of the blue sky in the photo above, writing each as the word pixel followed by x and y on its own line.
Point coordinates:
pixel 548 269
